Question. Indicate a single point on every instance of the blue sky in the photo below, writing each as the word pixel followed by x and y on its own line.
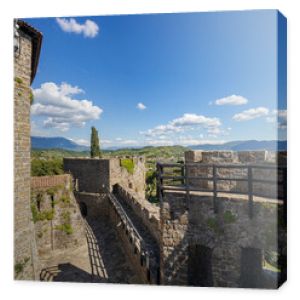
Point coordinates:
pixel 160 79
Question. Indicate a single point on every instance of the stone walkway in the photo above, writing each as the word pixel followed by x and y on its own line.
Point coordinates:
pixel 99 259
pixel 142 229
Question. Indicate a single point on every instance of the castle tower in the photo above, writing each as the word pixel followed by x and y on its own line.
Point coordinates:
pixel 27 45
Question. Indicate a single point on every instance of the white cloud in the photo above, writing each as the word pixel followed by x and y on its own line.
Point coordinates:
pixel 232 100
pixel 122 141
pixel 214 131
pixel 56 103
pixel 106 142
pixel 193 119
pixel 35 130
pixel 128 142
pixel 251 114
pixel 88 29
pixel 184 123
pixel 160 143
pixel 161 130
pixel 141 106
pixel 184 141
pixel 82 142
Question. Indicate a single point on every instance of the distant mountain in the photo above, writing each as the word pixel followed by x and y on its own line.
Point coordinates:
pixel 55 143
pixel 66 144
pixel 244 146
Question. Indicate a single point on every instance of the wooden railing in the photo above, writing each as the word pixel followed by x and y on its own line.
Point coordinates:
pixel 183 180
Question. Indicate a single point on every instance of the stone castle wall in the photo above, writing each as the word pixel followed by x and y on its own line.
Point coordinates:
pixel 148 213
pixel 56 215
pixel 24 244
pixel 95 175
pixel 97 201
pixel 134 182
pixel 90 174
pixel 238 158
pixel 193 223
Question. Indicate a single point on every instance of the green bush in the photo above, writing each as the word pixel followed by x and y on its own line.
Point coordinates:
pixel 42 167
pixel 41 216
pixel 151 186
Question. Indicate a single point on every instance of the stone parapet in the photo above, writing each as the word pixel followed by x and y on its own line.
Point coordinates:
pixel 147 212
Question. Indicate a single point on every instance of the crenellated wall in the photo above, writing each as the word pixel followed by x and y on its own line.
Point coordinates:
pixel 93 175
pixel 148 213
pixel 141 251
pixel 135 181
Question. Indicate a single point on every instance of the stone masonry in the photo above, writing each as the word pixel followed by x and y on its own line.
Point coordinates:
pixel 202 247
pixel 56 215
pixel 99 175
pixel 237 158
pixel 27 48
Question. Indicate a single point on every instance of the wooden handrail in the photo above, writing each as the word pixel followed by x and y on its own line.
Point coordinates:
pixel 215 178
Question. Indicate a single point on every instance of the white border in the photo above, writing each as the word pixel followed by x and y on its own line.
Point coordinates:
pixel 34 8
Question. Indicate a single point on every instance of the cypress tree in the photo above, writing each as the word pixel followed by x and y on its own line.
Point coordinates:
pixel 95 148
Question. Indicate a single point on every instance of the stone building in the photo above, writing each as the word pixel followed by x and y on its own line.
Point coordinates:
pixel 27 46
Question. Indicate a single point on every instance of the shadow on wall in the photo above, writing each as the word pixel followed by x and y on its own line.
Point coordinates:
pixel 208 249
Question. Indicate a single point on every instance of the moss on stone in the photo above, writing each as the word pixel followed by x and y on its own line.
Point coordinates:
pixel 229 217
pixel 31 97
pixel 213 224
pixel 65 227
pixel 19 266
pixel 128 164
pixel 65 199
pixel 18 80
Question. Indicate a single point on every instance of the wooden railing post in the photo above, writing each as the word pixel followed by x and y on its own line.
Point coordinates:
pixel 215 193
pixel 159 182
pixel 182 173
pixel 250 191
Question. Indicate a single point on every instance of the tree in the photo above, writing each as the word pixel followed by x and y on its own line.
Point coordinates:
pixel 95 148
